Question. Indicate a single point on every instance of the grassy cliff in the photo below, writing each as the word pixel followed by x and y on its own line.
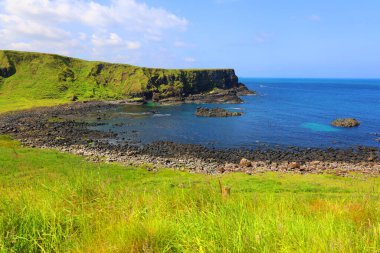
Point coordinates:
pixel 37 76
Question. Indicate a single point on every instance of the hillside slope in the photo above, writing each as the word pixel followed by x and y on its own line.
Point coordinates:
pixel 36 76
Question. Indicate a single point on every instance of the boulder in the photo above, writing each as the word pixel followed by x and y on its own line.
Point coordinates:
pixel 215 112
pixel 221 170
pixel 230 167
pixel 294 165
pixel 245 163
pixel 345 122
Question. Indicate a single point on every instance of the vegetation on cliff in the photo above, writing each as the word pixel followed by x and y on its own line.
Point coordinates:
pixel 37 76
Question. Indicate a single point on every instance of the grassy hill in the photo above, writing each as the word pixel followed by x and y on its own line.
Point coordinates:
pixel 37 77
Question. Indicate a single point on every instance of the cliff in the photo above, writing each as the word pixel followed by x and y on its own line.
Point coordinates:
pixel 48 76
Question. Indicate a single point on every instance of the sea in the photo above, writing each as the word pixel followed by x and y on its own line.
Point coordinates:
pixel 285 112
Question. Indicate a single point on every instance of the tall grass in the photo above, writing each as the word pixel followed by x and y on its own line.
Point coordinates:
pixel 52 202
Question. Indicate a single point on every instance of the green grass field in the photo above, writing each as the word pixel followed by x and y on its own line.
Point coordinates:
pixel 7 105
pixel 54 202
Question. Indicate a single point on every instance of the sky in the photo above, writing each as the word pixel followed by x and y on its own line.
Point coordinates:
pixel 258 38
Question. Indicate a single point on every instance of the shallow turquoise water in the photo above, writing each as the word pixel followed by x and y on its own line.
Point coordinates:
pixel 316 127
pixel 285 112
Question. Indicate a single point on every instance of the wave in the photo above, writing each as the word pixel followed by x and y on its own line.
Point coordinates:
pixel 136 113
pixel 161 115
pixel 235 108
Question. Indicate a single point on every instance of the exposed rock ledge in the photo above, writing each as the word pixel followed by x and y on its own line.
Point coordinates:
pixel 217 96
pixel 215 112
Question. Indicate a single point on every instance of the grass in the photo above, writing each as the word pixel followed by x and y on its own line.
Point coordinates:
pixel 7 105
pixel 54 202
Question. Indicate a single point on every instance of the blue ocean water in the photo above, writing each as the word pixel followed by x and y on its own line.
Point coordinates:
pixel 286 112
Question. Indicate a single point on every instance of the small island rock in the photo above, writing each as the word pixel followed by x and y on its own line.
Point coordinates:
pixel 346 122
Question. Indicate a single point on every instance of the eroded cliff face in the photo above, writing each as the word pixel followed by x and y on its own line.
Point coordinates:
pixel 53 76
pixel 191 81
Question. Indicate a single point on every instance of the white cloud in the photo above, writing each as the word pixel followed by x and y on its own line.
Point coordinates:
pixel 133 45
pixel 111 39
pixel 17 27
pixel 314 18
pixel 182 44
pixel 131 14
pixel 189 59
pixel 84 25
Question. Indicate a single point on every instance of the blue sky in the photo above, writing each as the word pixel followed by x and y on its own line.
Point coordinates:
pixel 257 38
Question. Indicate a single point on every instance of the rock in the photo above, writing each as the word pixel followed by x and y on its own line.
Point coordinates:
pixel 242 90
pixel 215 112
pixel 218 96
pixel 221 170
pixel 378 139
pixel 294 165
pixel 345 122
pixel 245 163
pixel 156 97
pixel 230 167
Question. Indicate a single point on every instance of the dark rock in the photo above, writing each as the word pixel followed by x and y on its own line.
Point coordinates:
pixel 215 112
pixel 217 96
pixel 242 90
pixel 345 122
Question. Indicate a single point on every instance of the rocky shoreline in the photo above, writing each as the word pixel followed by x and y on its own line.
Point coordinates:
pixel 62 128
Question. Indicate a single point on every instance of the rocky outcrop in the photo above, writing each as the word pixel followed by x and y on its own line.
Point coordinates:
pixel 242 90
pixel 345 122
pixel 215 112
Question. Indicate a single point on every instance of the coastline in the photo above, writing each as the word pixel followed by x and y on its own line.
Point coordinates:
pixel 43 128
